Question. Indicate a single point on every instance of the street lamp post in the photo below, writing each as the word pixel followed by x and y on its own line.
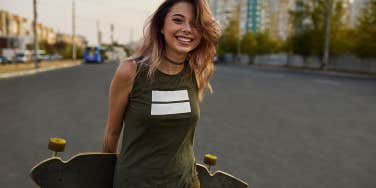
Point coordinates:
pixel 238 12
pixel 74 52
pixel 328 10
pixel 36 63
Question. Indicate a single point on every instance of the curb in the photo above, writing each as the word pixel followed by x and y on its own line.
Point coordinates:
pixel 34 71
pixel 327 73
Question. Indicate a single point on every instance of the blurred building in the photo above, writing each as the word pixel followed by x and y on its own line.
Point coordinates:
pixel 223 10
pixel 80 41
pixel 17 32
pixel 284 20
pixel 355 9
pixel 249 13
pixel 256 15
pixel 14 31
pixel 273 16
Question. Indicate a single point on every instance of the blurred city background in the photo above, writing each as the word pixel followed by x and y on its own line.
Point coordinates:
pixel 294 88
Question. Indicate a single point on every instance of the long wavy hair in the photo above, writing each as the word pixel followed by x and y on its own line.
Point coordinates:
pixel 200 59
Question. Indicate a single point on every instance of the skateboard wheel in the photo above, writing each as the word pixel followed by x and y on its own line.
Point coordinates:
pixel 56 144
pixel 210 159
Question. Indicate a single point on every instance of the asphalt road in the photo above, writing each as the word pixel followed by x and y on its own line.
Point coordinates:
pixel 271 128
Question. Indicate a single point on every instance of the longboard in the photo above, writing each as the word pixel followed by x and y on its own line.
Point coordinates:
pixel 93 170
pixel 96 170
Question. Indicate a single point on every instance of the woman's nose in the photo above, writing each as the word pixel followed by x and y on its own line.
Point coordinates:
pixel 187 27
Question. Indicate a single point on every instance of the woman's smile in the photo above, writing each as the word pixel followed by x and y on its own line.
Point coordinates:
pixel 180 34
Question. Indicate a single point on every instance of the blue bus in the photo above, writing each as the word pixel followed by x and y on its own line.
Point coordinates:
pixel 93 54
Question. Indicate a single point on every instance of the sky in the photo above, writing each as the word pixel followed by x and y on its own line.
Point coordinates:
pixel 128 16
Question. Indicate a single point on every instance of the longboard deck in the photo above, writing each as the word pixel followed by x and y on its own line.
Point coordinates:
pixel 83 170
pixel 218 179
pixel 95 170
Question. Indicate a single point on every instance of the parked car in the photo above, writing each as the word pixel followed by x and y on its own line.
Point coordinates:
pixel 23 57
pixel 56 57
pixel 4 60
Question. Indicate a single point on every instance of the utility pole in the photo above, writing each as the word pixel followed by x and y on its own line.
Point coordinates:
pixel 99 34
pixel 238 12
pixel 74 52
pixel 112 42
pixel 36 63
pixel 131 31
pixel 328 11
pixel 112 33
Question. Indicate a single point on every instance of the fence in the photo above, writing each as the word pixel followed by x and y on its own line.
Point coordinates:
pixel 344 62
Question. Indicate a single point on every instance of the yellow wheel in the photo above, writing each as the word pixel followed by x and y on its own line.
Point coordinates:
pixel 210 159
pixel 56 144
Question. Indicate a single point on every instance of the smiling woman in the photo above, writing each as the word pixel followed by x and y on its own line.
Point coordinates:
pixel 155 96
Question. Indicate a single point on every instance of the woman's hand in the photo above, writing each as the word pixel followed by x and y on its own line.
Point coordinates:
pixel 120 88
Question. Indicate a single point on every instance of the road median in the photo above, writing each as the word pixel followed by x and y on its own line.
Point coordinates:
pixel 21 69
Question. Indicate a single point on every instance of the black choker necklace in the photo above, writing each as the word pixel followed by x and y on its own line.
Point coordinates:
pixel 174 62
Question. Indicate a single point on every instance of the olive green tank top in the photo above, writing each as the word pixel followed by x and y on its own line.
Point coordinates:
pixel 158 136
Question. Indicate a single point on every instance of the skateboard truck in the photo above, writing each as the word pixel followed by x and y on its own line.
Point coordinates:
pixel 56 145
pixel 210 160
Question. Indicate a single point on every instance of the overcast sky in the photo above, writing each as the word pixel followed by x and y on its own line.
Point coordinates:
pixel 126 15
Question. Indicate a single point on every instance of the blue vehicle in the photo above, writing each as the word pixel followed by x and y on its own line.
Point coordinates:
pixel 93 55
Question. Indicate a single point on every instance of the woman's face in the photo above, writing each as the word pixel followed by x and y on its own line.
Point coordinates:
pixel 181 36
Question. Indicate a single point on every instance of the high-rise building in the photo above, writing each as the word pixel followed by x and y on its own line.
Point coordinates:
pixel 223 10
pixel 255 15
pixel 284 20
pixel 269 16
pixel 355 8
pixel 249 16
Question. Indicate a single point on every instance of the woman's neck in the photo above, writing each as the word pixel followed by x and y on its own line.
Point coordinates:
pixel 168 68
pixel 172 63
pixel 175 57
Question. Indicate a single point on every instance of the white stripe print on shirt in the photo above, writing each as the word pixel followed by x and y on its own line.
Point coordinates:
pixel 170 102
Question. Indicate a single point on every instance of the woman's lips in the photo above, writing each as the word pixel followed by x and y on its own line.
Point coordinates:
pixel 184 39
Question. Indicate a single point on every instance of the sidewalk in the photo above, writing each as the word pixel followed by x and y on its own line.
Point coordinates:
pixel 22 69
pixel 315 71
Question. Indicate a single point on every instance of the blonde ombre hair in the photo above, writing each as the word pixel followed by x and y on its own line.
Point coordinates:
pixel 200 59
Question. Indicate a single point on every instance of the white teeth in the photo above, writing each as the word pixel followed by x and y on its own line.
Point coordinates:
pixel 183 39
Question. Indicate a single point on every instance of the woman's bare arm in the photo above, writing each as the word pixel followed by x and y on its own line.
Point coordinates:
pixel 121 86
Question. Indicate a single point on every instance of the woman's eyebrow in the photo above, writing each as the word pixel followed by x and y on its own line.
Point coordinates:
pixel 180 15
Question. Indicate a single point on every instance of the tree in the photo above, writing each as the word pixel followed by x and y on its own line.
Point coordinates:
pixel 365 43
pixel 309 24
pixel 265 44
pixel 248 44
pixel 341 34
pixel 229 39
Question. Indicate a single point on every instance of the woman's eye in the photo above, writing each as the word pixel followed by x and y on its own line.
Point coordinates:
pixel 177 20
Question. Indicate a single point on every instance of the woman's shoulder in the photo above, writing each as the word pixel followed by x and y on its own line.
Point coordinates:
pixel 127 70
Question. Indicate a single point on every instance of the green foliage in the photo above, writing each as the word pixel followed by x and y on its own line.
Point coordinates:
pixel 265 44
pixel 62 48
pixel 302 43
pixel 65 49
pixel 309 24
pixel 308 39
pixel 126 48
pixel 365 42
pixel 248 44
pixel 229 39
